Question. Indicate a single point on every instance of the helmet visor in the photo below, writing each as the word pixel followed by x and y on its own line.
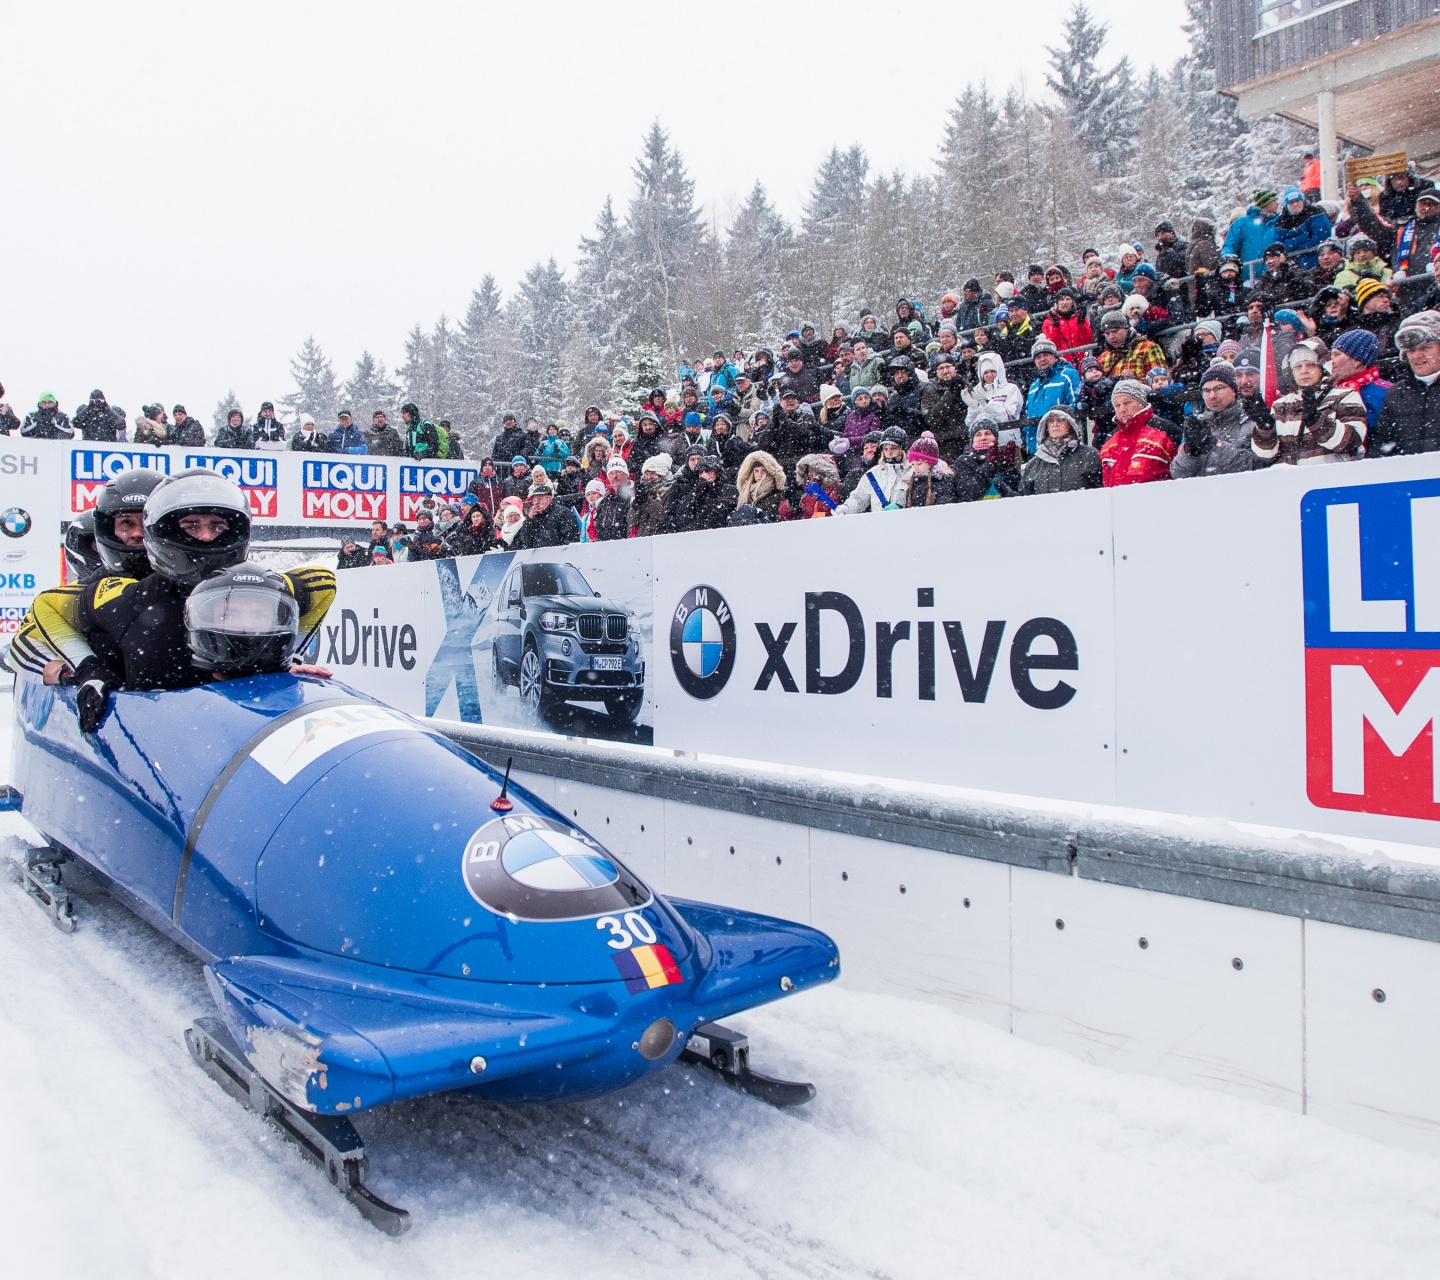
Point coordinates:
pixel 242 611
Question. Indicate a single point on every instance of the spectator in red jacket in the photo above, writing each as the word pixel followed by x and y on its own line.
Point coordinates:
pixel 488 487
pixel 1138 452
pixel 1067 326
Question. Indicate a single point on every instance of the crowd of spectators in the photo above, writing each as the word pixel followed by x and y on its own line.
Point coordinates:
pixel 1308 333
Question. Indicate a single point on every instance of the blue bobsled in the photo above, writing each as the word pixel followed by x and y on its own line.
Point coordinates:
pixel 373 928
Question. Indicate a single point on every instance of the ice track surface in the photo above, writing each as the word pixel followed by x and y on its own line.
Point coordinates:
pixel 937 1147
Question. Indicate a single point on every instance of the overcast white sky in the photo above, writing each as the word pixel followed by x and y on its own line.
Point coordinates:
pixel 192 189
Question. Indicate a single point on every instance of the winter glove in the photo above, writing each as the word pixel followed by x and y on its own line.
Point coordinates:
pixel 96 682
pixel 1198 437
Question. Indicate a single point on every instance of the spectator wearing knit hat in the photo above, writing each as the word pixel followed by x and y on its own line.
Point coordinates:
pixel 1056 383
pixel 1317 422
pixel 930 481
pixel 1137 452
pixel 1410 417
pixel 1123 353
pixel 1376 312
pixel 1353 366
pixel 1216 440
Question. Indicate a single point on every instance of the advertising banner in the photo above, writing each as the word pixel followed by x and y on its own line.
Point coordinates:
pixel 1263 648
pixel 963 645
pixel 1278 647
pixel 555 640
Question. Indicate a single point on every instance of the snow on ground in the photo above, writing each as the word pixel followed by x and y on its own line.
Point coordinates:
pixel 937 1147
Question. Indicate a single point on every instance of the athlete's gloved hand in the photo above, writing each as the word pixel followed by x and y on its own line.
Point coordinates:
pixel 92 700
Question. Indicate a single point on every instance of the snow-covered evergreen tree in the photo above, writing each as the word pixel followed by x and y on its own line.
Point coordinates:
pixel 827 273
pixel 476 378
pixel 539 313
pixel 972 182
pixel 643 369
pixel 223 407
pixel 758 250
pixel 599 290
pixel 316 392
pixel 663 233
pixel 369 390
pixel 1100 105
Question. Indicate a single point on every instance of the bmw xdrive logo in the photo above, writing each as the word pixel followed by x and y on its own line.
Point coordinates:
pixel 702 642
pixel 15 523
pixel 535 868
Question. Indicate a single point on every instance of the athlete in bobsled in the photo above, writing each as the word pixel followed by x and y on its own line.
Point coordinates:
pixel 381 915
pixel 156 538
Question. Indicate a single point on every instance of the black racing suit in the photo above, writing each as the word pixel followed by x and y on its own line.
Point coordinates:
pixel 136 628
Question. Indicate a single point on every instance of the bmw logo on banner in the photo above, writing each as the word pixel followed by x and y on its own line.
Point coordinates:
pixel 15 523
pixel 702 642
pixel 534 868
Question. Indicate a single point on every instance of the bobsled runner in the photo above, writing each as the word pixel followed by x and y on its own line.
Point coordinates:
pixel 381 914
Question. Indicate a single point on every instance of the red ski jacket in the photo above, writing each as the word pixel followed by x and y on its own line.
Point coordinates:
pixel 1137 453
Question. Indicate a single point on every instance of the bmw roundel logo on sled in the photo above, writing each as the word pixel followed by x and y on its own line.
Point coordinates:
pixel 15 523
pixel 533 868
pixel 702 642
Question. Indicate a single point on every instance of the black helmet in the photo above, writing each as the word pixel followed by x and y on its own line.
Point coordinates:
pixel 242 621
pixel 126 493
pixel 181 556
pixel 901 362
pixel 81 559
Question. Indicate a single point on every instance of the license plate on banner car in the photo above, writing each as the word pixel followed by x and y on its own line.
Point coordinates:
pixel 606 664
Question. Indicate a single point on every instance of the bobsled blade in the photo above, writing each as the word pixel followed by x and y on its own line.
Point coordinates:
pixel 727 1053
pixel 42 880
pixel 328 1141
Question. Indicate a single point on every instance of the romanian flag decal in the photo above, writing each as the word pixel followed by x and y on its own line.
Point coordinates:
pixel 644 968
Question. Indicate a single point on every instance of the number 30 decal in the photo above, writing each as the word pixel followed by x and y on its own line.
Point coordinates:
pixel 621 934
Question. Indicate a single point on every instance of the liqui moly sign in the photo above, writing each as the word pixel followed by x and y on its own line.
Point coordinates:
pixel 256 474
pixel 346 491
pixel 92 469
pixel 443 484
pixel 1372 647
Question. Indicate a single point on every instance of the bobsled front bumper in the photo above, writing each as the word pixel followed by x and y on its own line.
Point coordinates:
pixel 335 1036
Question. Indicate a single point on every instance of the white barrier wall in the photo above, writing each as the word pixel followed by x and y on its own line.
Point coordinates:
pixel 1274 1008
pixel 1262 648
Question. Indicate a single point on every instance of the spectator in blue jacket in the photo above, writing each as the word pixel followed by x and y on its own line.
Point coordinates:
pixel 722 373
pixel 1055 386
pixel 554 449
pixel 347 437
pixel 1302 229
pixel 1248 235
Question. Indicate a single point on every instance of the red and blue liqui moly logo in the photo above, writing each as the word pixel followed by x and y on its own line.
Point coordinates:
pixel 444 484
pixel 1372 647
pixel 92 469
pixel 257 476
pixel 344 491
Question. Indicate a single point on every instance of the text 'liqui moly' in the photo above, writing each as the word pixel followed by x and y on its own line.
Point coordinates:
pixel 344 491
pixel 257 476
pixel 92 469
pixel 444 484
